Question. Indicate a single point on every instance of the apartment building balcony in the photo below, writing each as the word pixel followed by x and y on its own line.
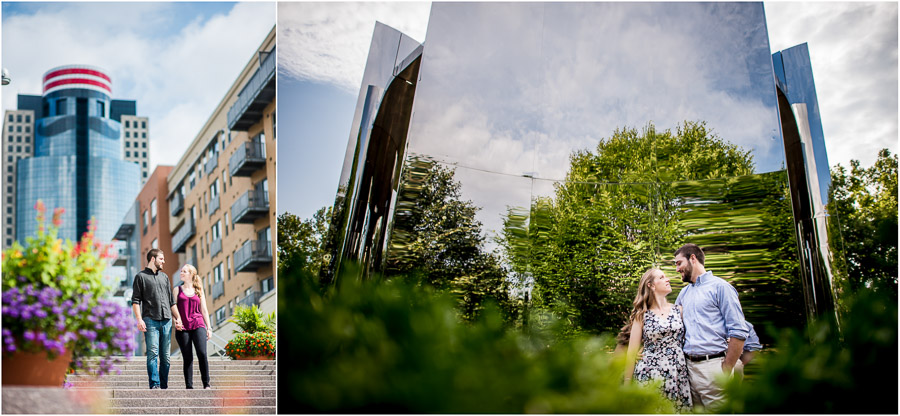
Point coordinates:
pixel 250 300
pixel 121 257
pixel 124 232
pixel 255 96
pixel 218 289
pixel 211 164
pixel 176 205
pixel 251 205
pixel 215 247
pixel 253 255
pixel 181 237
pixel 248 158
pixel 192 261
pixel 213 205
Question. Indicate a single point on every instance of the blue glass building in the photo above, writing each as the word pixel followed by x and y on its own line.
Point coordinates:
pixel 77 163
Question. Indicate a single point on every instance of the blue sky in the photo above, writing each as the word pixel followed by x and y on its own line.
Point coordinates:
pixel 176 59
pixel 323 48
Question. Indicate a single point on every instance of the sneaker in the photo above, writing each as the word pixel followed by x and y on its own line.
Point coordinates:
pixel 207 388
pixel 154 387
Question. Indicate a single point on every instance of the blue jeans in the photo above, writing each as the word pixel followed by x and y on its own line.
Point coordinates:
pixel 158 337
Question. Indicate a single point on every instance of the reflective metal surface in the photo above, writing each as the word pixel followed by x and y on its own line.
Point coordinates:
pixel 809 175
pixel 518 102
pixel 375 150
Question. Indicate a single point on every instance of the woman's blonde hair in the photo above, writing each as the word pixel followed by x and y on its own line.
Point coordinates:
pixel 643 301
pixel 195 279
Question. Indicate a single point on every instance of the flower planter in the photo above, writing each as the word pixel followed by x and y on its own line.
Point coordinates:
pixel 256 357
pixel 34 369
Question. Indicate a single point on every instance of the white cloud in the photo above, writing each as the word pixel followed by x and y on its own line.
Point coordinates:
pixel 329 42
pixel 177 75
pixel 853 52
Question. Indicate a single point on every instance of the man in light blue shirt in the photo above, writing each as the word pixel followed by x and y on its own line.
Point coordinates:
pixel 714 323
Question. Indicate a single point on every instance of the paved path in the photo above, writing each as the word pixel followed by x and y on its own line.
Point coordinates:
pixel 241 387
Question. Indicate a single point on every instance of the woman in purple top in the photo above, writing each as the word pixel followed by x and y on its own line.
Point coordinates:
pixel 195 328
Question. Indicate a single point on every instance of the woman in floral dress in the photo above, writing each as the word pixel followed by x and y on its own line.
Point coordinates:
pixel 656 325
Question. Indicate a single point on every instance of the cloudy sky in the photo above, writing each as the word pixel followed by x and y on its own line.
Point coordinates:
pixel 853 48
pixel 177 60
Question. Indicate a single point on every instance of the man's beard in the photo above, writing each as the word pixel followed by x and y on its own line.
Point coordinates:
pixel 686 273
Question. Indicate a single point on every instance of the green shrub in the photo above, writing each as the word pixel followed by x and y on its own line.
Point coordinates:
pixel 389 346
pixel 823 371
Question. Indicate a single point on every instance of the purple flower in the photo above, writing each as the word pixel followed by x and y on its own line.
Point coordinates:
pixel 21 278
pixel 11 347
pixel 40 313
pixel 26 313
pixel 7 333
pixel 60 278
pixel 29 335
pixel 41 336
pixel 57 310
pixel 100 345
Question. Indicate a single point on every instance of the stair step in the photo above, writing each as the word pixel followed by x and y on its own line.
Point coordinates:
pixel 192 410
pixel 195 393
pixel 144 377
pixel 196 364
pixel 174 384
pixel 196 372
pixel 195 401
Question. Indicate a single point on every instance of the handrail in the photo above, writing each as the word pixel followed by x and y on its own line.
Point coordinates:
pixel 220 349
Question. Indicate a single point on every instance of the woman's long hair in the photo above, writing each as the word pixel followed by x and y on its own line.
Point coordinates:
pixel 195 280
pixel 643 301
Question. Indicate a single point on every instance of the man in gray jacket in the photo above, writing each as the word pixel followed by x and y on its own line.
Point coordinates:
pixel 154 305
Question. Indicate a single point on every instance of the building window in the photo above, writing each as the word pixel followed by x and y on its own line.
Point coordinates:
pixel 28 118
pixel 61 107
pixel 127 124
pixel 144 155
pixel 101 110
pixel 10 129
pixel 8 242
pixel 146 221
pixel 220 315
pixel 228 265
pixel 9 168
pixel 226 223
pixel 18 139
pixel 192 179
pixel 145 174
pixel 10 118
pixel 10 139
pixel 27 139
pixel 144 136
pixel 28 149
pixel 155 243
pixel 127 144
pixel 27 129
pixel 217 273
pixel 127 154
pixel 153 211
pixel 18 148
pixel 18 118
pixel 18 129
pixel 127 134
pixel 144 163
pixel 143 124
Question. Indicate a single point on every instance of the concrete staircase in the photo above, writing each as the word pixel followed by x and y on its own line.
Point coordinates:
pixel 240 387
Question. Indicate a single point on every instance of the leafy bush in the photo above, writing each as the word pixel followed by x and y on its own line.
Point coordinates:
pixel 251 344
pixel 251 319
pixel 391 346
pixel 854 371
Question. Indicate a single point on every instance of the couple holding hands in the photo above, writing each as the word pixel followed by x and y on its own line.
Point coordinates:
pixel 155 303
pixel 689 344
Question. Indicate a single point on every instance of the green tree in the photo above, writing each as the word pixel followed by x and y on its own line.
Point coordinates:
pixel 301 243
pixel 611 219
pixel 863 227
pixel 436 238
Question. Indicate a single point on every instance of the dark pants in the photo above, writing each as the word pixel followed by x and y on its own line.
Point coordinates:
pixel 198 338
